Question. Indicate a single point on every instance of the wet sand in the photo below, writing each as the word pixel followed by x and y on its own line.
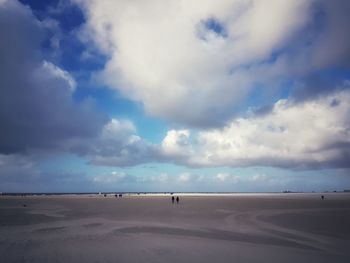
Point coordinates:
pixel 236 228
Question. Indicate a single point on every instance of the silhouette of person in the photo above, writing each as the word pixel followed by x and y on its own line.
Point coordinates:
pixel 177 199
pixel 322 197
pixel 172 199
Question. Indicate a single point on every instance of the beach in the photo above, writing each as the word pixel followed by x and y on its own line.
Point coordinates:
pixel 289 227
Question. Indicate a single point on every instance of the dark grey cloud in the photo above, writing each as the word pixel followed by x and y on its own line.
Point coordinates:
pixel 319 56
pixel 21 174
pixel 37 110
pixel 126 155
pixel 117 145
pixel 315 86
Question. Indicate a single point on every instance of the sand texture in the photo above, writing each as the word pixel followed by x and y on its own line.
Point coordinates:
pixel 238 228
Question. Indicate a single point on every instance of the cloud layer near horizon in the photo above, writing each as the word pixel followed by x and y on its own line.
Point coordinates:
pixel 205 58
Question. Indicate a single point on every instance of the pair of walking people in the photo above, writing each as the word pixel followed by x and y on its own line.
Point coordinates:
pixel 173 199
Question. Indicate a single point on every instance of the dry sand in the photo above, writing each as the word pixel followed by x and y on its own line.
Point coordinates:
pixel 236 228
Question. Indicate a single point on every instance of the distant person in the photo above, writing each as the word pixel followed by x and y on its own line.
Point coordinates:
pixel 322 197
pixel 172 199
pixel 177 199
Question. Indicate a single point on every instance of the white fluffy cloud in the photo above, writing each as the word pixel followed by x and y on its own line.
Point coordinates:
pixel 176 143
pixel 296 135
pixel 308 134
pixel 194 62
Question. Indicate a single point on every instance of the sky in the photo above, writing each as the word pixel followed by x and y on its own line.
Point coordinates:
pixel 170 95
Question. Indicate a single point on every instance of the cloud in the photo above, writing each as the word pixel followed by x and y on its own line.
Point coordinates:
pixel 184 177
pixel 113 177
pixel 23 173
pixel 292 134
pixel 223 177
pixel 20 173
pixel 296 135
pixel 196 62
pixel 117 145
pixel 15 168
pixel 37 110
pixel 190 62
pixel 176 144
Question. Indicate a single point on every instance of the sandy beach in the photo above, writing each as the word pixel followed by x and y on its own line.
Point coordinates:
pixel 232 228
